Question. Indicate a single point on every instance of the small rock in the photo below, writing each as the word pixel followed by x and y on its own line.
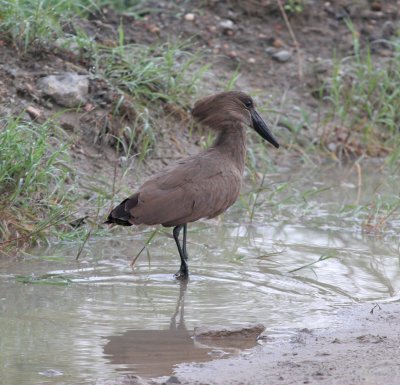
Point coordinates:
pixel 89 107
pixel 251 60
pixel 34 113
pixel 376 6
pixel 154 29
pixel 173 380
pixel 282 56
pixel 68 89
pixel 278 43
pixel 270 50
pixel 332 147
pixel 227 25
pixel 189 17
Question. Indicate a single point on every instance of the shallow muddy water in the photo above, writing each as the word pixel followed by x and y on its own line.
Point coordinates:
pixel 99 318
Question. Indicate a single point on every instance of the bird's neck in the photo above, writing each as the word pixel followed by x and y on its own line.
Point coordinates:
pixel 231 141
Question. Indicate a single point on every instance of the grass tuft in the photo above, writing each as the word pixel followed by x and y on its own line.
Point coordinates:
pixel 33 178
pixel 364 98
pixel 152 82
pixel 31 24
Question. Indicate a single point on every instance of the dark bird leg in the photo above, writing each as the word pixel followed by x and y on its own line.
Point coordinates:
pixel 184 242
pixel 183 272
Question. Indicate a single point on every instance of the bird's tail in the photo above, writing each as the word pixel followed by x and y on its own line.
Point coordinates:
pixel 121 215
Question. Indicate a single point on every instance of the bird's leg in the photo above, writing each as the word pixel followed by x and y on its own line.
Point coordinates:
pixel 184 242
pixel 183 272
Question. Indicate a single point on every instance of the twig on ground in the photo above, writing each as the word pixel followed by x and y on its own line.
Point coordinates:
pixel 293 36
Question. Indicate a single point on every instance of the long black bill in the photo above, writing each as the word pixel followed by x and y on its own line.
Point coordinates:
pixel 262 129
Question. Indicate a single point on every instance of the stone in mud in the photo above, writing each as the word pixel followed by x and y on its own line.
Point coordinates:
pixel 67 89
pixel 35 113
pixel 228 27
pixel 189 17
pixel 282 56
pixel 211 332
pixel 172 380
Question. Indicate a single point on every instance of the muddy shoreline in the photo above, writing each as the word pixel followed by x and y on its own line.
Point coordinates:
pixel 362 349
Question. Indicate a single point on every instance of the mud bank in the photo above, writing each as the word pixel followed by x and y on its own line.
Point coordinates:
pixel 364 348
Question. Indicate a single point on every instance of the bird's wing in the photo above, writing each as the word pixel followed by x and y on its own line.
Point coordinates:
pixel 195 188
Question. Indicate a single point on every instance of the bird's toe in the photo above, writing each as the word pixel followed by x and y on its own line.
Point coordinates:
pixel 181 275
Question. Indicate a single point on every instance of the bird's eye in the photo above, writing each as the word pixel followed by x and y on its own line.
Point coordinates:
pixel 248 103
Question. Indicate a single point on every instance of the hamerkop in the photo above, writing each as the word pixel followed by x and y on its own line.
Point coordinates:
pixel 203 185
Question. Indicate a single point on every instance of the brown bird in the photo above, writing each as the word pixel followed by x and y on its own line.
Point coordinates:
pixel 203 185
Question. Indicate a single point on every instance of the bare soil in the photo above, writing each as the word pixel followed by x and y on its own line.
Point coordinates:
pixel 362 349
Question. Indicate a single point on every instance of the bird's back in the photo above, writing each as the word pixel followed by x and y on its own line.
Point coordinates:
pixel 201 186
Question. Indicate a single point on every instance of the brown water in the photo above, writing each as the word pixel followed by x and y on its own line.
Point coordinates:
pixel 109 319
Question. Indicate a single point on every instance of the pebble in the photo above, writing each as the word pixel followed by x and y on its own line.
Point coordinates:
pixel 173 380
pixel 270 50
pixel 34 113
pixel 282 56
pixel 251 60
pixel 332 147
pixel 189 17
pixel 154 29
pixel 67 89
pixel 227 24
pixel 278 43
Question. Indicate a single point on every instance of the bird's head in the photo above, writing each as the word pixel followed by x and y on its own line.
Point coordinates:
pixel 220 110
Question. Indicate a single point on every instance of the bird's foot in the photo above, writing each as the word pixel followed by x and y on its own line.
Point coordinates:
pixel 182 275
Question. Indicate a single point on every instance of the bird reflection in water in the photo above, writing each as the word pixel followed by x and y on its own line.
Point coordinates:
pixel 154 353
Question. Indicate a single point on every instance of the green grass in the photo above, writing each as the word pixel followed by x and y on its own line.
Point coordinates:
pixel 363 100
pixel 154 77
pixel 33 179
pixel 294 6
pixel 31 24
pixel 153 81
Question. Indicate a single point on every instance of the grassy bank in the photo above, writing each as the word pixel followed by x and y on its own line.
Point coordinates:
pixel 144 84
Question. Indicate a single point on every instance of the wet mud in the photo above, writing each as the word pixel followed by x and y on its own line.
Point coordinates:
pixel 363 348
